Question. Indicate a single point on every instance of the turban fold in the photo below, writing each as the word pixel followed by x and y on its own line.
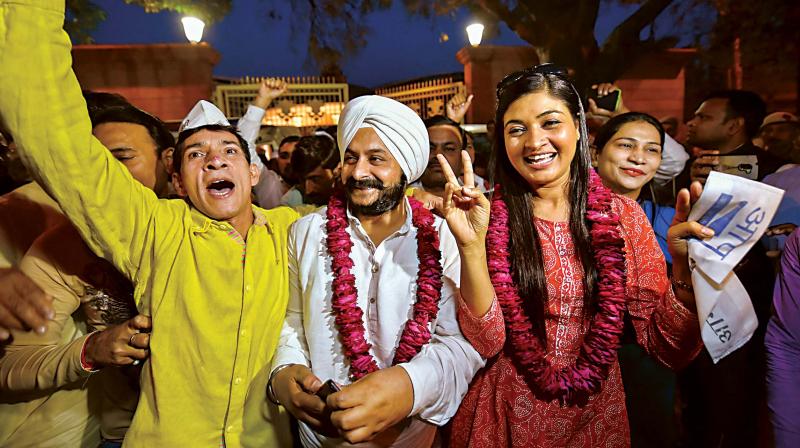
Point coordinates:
pixel 398 127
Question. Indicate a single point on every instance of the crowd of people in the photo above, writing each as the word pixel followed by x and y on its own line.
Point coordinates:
pixel 387 282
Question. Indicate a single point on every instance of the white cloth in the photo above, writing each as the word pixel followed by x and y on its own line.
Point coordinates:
pixel 385 278
pixel 270 187
pixel 203 114
pixel 399 128
pixel 481 183
pixel 739 211
pixel 292 198
pixel 673 160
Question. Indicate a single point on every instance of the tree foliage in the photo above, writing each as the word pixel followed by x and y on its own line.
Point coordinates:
pixel 768 35
pixel 209 11
pixel 562 33
pixel 333 29
pixel 83 16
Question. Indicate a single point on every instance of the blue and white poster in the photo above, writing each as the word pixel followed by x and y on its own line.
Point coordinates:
pixel 739 211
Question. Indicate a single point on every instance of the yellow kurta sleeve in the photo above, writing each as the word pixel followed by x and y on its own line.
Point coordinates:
pixel 41 103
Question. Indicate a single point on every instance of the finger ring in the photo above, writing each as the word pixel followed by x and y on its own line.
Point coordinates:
pixel 130 341
pixel 136 362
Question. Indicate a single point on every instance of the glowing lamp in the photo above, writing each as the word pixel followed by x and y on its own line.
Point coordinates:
pixel 193 27
pixel 475 33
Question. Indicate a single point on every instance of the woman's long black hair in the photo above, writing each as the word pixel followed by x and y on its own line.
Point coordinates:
pixel 525 247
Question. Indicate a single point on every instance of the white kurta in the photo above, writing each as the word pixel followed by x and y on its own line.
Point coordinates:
pixel 673 160
pixel 386 282
pixel 270 186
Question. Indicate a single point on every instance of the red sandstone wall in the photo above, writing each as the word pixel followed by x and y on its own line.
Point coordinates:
pixel 655 84
pixel 163 79
pixel 484 67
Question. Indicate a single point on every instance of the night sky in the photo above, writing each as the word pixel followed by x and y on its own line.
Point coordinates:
pixel 400 46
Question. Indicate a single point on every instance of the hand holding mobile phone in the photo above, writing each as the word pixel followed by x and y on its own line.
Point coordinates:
pixel 608 102
pixel 328 387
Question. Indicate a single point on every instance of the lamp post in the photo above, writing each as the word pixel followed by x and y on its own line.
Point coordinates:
pixel 193 28
pixel 475 33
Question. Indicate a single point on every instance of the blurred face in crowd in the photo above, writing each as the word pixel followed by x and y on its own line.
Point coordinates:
pixel 373 180
pixel 709 128
pixel 630 158
pixel 540 137
pixel 215 175
pixel 285 157
pixel 444 140
pixel 133 145
pixel 319 185
pixel 470 147
pixel 670 126
pixel 779 133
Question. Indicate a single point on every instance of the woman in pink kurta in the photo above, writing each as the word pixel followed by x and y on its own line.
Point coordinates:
pixel 542 168
pixel 500 410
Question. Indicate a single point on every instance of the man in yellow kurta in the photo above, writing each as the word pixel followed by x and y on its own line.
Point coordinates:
pixel 211 271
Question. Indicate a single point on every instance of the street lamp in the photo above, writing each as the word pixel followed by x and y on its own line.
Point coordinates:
pixel 475 33
pixel 193 27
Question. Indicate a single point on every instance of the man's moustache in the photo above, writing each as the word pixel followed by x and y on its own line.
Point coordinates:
pixel 433 164
pixel 353 184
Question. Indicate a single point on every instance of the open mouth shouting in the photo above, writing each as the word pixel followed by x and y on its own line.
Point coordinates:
pixel 220 188
pixel 541 160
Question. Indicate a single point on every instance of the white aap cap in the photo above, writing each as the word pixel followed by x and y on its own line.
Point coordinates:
pixel 780 117
pixel 203 114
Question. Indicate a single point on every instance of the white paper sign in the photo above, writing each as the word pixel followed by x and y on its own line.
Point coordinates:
pixel 726 314
pixel 739 210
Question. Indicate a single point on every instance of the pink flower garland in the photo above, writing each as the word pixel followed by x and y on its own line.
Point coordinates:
pixel 571 384
pixel 349 316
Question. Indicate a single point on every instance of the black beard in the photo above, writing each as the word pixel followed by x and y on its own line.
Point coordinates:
pixel 388 198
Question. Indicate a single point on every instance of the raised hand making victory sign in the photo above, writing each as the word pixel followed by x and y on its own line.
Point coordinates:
pixel 464 207
pixel 466 211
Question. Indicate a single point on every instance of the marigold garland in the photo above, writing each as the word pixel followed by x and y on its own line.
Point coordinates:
pixel 349 316
pixel 571 384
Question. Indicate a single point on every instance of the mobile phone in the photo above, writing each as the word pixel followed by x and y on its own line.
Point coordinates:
pixel 607 102
pixel 742 166
pixel 328 387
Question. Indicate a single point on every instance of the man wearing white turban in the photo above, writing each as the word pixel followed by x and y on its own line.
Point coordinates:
pixel 373 279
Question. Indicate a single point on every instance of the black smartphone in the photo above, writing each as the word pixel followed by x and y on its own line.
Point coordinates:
pixel 607 102
pixel 328 387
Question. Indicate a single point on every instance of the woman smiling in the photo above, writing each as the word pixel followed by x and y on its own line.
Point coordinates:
pixel 627 153
pixel 550 267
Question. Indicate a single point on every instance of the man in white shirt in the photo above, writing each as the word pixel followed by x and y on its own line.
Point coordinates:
pixel 270 187
pixel 356 308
